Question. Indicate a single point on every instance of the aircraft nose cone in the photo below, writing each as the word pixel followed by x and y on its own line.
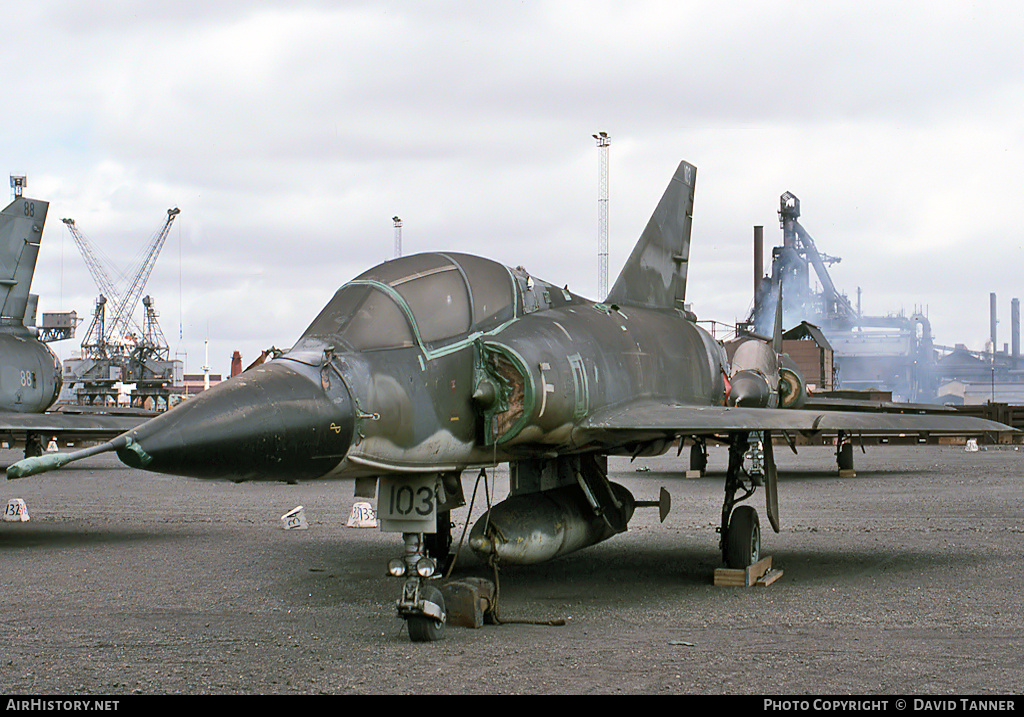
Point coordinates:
pixel 269 423
pixel 749 388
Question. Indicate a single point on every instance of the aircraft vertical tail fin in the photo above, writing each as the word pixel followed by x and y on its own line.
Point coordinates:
pixel 777 331
pixel 655 273
pixel 21 229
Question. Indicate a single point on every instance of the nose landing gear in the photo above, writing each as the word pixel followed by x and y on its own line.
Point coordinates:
pixel 421 604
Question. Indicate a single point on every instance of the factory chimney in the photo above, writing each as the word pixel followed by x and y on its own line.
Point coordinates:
pixel 236 364
pixel 992 320
pixel 1015 327
pixel 789 212
pixel 758 258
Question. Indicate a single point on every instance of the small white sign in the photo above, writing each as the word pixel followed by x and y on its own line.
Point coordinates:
pixel 363 516
pixel 407 504
pixel 972 445
pixel 295 519
pixel 16 511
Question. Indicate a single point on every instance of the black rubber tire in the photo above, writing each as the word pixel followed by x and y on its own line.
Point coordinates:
pixel 33 446
pixel 421 627
pixel 698 459
pixel 743 542
pixel 844 458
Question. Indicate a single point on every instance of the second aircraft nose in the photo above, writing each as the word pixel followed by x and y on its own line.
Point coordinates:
pixel 270 423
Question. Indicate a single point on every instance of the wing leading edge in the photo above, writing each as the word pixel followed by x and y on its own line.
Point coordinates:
pixel 658 418
pixel 66 426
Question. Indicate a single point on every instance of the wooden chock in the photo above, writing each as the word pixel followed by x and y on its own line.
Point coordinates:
pixel 760 573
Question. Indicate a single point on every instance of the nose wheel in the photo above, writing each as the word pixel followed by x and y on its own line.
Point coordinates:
pixel 425 626
pixel 422 608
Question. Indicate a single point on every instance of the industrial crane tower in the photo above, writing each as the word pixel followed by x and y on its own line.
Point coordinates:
pixel 117 351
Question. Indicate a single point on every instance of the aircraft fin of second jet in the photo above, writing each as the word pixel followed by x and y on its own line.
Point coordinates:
pixel 21 228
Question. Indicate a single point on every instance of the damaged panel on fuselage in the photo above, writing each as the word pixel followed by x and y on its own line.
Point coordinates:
pixel 588 357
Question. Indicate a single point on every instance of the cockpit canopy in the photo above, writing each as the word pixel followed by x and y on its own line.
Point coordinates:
pixel 432 299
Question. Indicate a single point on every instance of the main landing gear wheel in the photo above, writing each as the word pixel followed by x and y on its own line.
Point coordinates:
pixel 844 456
pixel 33 446
pixel 743 539
pixel 699 457
pixel 423 628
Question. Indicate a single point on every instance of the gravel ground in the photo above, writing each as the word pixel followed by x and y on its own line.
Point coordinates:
pixel 901 580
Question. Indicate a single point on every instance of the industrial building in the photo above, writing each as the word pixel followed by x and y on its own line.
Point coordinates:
pixel 851 351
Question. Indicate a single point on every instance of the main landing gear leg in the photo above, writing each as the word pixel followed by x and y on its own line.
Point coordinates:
pixel 740 530
pixel 699 456
pixel 844 455
pixel 33 445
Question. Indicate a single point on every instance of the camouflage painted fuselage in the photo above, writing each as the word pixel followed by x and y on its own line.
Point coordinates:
pixel 514 382
pixel 534 381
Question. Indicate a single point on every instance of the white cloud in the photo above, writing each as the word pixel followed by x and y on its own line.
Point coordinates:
pixel 290 133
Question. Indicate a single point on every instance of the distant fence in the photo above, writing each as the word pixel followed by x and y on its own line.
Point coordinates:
pixel 1001 412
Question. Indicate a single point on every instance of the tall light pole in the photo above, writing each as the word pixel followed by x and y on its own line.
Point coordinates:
pixel 398 236
pixel 603 140
pixel 18 184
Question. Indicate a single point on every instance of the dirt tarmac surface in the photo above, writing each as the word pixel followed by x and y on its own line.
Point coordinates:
pixel 902 580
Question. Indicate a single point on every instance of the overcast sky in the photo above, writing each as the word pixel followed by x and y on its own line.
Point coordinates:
pixel 290 133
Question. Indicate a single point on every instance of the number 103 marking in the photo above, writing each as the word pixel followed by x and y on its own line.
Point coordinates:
pixel 407 504
pixel 404 501
pixel 409 499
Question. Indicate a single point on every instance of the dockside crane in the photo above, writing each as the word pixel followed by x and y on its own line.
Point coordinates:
pixel 126 310
pixel 116 347
pixel 107 338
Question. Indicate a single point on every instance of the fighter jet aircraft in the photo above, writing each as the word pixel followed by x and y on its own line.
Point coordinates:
pixel 430 365
pixel 30 376
pixel 30 373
